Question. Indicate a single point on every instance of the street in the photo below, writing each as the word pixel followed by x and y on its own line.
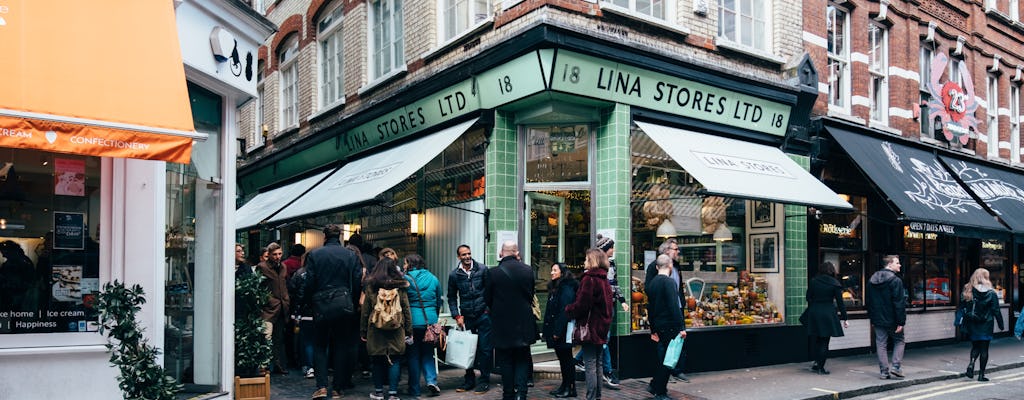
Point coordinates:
pixel 1007 385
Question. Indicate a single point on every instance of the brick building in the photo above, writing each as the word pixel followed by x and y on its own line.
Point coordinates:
pixel 918 124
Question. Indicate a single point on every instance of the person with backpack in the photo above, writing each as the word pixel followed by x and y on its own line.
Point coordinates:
pixel 425 300
pixel 386 325
pixel 979 305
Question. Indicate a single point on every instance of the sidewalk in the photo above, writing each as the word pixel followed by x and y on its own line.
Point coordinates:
pixel 851 376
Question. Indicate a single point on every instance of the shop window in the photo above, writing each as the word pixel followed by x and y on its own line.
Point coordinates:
pixel 729 249
pixel 745 22
pixel 289 82
pixel 928 268
pixel 993 257
pixel 461 16
pixel 49 242
pixel 331 40
pixel 842 238
pixel 838 58
pixel 558 154
pixel 387 51
pixel 878 67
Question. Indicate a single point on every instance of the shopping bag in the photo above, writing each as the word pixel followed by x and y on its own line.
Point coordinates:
pixel 569 327
pixel 461 351
pixel 675 347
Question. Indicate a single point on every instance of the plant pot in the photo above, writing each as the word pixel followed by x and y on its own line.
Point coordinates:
pixel 257 388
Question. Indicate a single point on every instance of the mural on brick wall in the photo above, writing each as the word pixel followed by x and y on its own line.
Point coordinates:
pixel 951 105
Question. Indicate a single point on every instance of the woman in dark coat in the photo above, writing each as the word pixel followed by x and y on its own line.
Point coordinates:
pixel 593 309
pixel 824 296
pixel 980 300
pixel 561 292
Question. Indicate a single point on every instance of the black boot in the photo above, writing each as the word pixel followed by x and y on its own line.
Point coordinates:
pixel 970 368
pixel 559 390
pixel 568 392
pixel 981 376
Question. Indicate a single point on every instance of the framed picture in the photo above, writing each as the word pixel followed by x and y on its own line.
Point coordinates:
pixel 763 252
pixel 762 214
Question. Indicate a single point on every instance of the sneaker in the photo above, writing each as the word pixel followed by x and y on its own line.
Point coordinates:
pixel 482 388
pixel 608 382
pixel 310 374
pixel 884 375
pixel 466 386
pixel 897 373
pixel 366 374
pixel 377 396
pixel 615 377
pixel 335 395
pixel 579 366
pixel 393 396
pixel 320 393
pixel 433 390
pixel 681 377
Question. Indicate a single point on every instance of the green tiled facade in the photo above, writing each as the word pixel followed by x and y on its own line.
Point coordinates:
pixel 501 185
pixel 612 184
pixel 796 255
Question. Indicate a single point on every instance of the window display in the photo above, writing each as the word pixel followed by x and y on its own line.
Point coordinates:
pixel 49 258
pixel 928 268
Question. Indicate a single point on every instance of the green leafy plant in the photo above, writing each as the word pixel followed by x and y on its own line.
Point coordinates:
pixel 141 378
pixel 252 347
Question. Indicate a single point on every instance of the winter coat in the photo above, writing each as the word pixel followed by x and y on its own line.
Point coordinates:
pixel 986 302
pixel 509 296
pixel 296 288
pixel 466 291
pixel 824 296
pixel 593 305
pixel 887 300
pixel 332 266
pixel 1018 330
pixel 277 306
pixel 429 292
pixel 555 317
pixel 385 342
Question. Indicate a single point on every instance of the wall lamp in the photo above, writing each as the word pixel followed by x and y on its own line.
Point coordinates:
pixel 416 225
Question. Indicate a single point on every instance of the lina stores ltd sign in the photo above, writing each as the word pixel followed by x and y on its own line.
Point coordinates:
pixel 951 105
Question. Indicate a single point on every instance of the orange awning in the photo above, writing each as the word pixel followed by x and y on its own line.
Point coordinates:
pixel 98 77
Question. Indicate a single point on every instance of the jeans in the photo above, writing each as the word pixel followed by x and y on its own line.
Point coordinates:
pixel 386 368
pixel 660 380
pixel 882 336
pixel 591 367
pixel 307 336
pixel 484 350
pixel 421 361
pixel 607 356
pixel 515 364
pixel 337 338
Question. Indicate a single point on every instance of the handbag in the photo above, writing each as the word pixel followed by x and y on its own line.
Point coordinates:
pixel 535 307
pixel 332 303
pixel 675 347
pixel 434 334
pixel 581 332
pixel 461 352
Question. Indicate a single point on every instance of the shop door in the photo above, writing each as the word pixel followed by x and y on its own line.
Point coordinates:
pixel 545 237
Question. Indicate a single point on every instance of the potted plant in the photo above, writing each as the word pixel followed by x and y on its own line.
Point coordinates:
pixel 252 347
pixel 140 376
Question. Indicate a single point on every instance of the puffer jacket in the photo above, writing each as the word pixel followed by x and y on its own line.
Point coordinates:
pixel 426 301
pixel 385 342
pixel 593 305
pixel 887 300
pixel 466 291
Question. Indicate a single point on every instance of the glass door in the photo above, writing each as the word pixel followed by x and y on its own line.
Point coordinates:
pixel 545 235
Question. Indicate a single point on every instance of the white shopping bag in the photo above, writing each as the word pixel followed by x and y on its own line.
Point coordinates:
pixel 569 327
pixel 461 351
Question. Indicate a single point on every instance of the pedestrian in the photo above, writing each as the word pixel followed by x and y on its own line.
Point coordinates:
pixel 386 344
pixel 294 260
pixel 292 264
pixel 887 302
pixel 508 294
pixel 330 268
pixel 242 267
pixel 671 248
pixel 980 306
pixel 302 315
pixel 561 293
pixel 592 310
pixel 824 296
pixel 466 303
pixel 607 245
pixel 1018 330
pixel 666 320
pixel 275 313
pixel 425 301
pixel 389 253
pixel 366 262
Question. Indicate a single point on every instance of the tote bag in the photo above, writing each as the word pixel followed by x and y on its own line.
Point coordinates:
pixel 461 351
pixel 675 347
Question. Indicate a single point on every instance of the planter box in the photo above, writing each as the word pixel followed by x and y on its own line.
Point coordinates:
pixel 257 388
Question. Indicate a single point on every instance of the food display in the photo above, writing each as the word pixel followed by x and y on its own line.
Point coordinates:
pixel 67 282
pixel 741 302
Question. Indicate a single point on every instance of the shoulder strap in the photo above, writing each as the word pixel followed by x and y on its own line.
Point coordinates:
pixel 419 294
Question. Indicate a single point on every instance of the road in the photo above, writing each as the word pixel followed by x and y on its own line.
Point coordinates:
pixel 1003 385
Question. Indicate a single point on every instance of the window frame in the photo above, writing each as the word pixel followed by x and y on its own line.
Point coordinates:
pixel 288 79
pixel 739 26
pixel 924 61
pixel 395 47
pixel 332 33
pixel 1015 144
pixel 839 101
pixel 471 23
pixel 669 10
pixel 878 69
pixel 992 114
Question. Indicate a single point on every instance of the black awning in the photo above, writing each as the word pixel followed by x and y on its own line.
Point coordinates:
pixel 914 180
pixel 1000 190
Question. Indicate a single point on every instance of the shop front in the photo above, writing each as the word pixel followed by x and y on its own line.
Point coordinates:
pixel 935 209
pixel 558 138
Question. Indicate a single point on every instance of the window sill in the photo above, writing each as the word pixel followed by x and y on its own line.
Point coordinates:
pixel 932 141
pixel 884 128
pixel 286 131
pixel 730 45
pixel 329 109
pixel 625 12
pixel 839 113
pixel 256 147
pixel 388 77
pixel 458 39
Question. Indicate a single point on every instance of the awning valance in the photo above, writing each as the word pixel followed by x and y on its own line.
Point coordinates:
pixel 734 168
pixel 917 184
pixel 1000 190
pixel 102 78
pixel 267 204
pixel 362 180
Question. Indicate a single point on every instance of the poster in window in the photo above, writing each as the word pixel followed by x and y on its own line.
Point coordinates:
pixel 762 214
pixel 763 252
pixel 68 177
pixel 68 230
pixel 67 283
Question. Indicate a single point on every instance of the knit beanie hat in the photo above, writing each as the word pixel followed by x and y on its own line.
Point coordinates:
pixel 604 243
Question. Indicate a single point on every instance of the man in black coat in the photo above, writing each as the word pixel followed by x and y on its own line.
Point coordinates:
pixel 887 302
pixel 329 267
pixel 509 295
pixel 670 248
pixel 666 321
pixel 466 302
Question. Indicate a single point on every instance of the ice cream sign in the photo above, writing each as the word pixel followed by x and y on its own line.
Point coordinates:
pixel 951 106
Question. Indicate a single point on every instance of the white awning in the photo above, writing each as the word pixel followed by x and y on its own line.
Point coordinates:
pixel 264 205
pixel 734 168
pixel 364 179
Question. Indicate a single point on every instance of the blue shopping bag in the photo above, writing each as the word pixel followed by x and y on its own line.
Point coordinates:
pixel 675 347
